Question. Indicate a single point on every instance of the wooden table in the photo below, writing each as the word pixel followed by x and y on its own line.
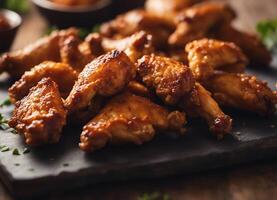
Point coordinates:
pixel 251 181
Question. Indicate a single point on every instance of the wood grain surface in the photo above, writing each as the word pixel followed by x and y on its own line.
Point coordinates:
pixel 252 181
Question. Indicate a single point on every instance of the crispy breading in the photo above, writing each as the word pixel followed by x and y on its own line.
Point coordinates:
pixel 46 48
pixel 139 20
pixel 207 55
pixel 40 116
pixel 169 78
pixel 251 45
pixel 197 21
pixel 242 91
pixel 128 118
pixel 61 73
pixel 104 76
pixel 200 104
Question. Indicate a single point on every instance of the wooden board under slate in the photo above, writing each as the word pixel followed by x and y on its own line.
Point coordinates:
pixel 64 166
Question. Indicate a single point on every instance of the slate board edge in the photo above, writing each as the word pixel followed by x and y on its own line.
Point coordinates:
pixel 264 149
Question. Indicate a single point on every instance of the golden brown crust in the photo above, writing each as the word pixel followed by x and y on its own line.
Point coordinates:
pixel 61 73
pixel 135 46
pixel 128 118
pixel 75 52
pixel 243 92
pixel 104 76
pixel 207 55
pixel 169 78
pixel 139 20
pixel 251 45
pixel 40 116
pixel 197 21
pixel 200 104
pixel 47 48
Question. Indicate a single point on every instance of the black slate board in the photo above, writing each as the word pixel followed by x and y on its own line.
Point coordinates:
pixel 64 166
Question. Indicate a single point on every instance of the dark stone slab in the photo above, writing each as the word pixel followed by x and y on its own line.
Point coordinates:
pixel 64 166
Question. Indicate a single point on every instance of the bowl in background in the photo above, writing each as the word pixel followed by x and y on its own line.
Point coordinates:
pixel 7 36
pixel 121 6
pixel 80 16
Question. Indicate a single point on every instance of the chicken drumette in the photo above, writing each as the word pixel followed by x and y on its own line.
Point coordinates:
pixel 128 118
pixel 175 84
pixel 47 48
pixel 40 116
pixel 228 87
pixel 61 73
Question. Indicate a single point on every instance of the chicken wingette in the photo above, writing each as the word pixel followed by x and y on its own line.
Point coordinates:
pixel 40 116
pixel 128 118
pixel 61 73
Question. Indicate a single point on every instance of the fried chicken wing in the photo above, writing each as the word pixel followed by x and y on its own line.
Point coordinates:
pixel 243 92
pixel 207 55
pixel 135 46
pixel 197 21
pixel 200 104
pixel 40 116
pixel 175 84
pixel 139 20
pixel 169 78
pixel 47 48
pixel 61 73
pixel 104 76
pixel 251 45
pixel 75 52
pixel 168 9
pixel 128 118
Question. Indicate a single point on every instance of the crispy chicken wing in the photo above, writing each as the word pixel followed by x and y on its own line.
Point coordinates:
pixel 76 53
pixel 200 104
pixel 206 55
pixel 135 46
pixel 243 92
pixel 168 9
pixel 104 76
pixel 40 116
pixel 128 118
pixel 61 73
pixel 197 21
pixel 136 20
pixel 47 48
pixel 175 84
pixel 169 78
pixel 251 45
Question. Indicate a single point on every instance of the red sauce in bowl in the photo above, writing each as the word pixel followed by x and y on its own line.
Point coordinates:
pixel 75 2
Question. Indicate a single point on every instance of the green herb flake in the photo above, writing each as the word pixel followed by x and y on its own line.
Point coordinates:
pixel 26 150
pixel 5 149
pixel 268 33
pixel 17 164
pixel 7 102
pixel 154 196
pixel 16 152
pixel 21 6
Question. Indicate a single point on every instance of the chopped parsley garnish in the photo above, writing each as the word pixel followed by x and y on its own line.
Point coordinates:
pixel 268 33
pixel 3 123
pixel 4 149
pixel 7 102
pixel 26 150
pixel 154 196
pixel 16 152
pixel 83 32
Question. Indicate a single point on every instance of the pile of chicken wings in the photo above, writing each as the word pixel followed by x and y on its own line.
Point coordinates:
pixel 144 73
